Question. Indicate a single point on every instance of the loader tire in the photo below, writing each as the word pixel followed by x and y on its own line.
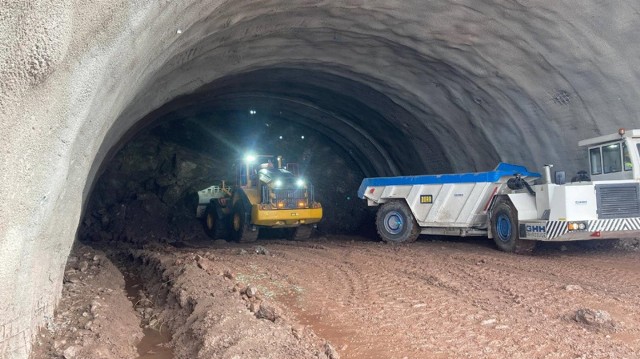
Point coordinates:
pixel 300 233
pixel 214 226
pixel 395 223
pixel 504 226
pixel 241 224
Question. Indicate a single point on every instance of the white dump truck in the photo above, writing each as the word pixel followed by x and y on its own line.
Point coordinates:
pixel 515 207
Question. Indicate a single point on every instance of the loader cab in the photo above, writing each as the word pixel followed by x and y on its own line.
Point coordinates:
pixel 247 169
pixel 614 157
pixel 255 169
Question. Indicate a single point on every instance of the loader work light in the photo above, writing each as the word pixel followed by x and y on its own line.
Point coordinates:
pixel 249 158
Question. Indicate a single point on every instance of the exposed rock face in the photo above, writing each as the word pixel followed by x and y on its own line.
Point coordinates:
pixel 148 191
pixel 402 87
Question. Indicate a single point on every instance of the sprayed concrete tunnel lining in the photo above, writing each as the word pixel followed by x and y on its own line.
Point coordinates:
pixel 461 85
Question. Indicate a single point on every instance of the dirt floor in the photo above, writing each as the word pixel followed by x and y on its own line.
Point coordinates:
pixel 347 297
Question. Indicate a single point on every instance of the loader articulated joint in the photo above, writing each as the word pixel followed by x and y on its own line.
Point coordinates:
pixel 517 183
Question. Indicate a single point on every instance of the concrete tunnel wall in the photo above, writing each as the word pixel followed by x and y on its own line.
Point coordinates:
pixel 468 83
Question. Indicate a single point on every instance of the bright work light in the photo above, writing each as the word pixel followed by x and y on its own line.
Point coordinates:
pixel 249 158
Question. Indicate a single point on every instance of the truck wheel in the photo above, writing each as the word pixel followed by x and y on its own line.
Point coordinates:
pixel 395 223
pixel 213 226
pixel 240 225
pixel 504 225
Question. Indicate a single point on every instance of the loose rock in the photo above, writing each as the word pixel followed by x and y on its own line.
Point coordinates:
pixel 228 274
pixel 202 263
pixel 597 318
pixel 268 312
pixel 251 291
pixel 262 250
pixel 254 307
pixel 70 352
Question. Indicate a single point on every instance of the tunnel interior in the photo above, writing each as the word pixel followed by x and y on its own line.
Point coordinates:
pixel 337 130
pixel 130 107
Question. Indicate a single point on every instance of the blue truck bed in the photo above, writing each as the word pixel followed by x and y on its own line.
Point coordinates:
pixel 503 169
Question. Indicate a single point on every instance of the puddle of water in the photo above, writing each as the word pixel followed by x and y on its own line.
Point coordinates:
pixel 154 344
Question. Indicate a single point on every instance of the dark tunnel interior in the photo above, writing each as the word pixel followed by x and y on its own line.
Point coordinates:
pixel 337 130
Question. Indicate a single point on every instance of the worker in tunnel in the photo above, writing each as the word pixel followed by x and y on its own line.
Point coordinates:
pixel 626 160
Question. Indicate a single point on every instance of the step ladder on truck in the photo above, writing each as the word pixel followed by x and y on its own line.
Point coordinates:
pixel 514 207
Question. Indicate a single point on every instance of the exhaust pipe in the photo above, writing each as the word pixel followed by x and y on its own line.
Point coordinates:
pixel 547 174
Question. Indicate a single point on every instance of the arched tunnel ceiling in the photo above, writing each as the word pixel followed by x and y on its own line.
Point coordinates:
pixel 364 122
pixel 440 79
pixel 468 82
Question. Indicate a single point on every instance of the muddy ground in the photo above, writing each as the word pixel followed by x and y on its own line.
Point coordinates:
pixel 346 297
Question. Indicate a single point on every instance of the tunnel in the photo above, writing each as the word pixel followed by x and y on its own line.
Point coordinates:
pixel 389 88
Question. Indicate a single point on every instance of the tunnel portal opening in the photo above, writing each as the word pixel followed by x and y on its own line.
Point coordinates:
pixel 337 130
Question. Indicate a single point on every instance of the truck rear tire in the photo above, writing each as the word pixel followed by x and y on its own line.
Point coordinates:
pixel 214 226
pixel 395 223
pixel 241 225
pixel 504 226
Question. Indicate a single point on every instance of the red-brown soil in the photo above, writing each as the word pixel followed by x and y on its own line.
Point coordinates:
pixel 430 299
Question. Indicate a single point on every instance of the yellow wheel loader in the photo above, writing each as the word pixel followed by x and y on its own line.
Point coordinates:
pixel 264 196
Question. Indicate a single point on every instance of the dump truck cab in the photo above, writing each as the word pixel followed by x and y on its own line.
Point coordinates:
pixel 615 156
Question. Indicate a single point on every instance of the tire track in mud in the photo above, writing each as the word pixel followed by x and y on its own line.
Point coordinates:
pixel 531 295
pixel 386 290
pixel 439 299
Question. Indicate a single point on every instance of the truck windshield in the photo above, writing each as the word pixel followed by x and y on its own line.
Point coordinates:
pixel 611 158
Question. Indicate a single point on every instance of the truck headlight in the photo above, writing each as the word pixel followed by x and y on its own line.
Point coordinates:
pixel 300 182
pixel 277 183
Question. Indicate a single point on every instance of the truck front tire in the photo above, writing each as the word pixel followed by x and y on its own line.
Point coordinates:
pixel 395 223
pixel 504 227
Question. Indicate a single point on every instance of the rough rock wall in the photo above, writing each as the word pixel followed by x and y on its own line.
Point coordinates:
pixel 148 191
pixel 482 81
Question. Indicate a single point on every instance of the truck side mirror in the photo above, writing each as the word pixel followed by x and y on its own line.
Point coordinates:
pixel 560 177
